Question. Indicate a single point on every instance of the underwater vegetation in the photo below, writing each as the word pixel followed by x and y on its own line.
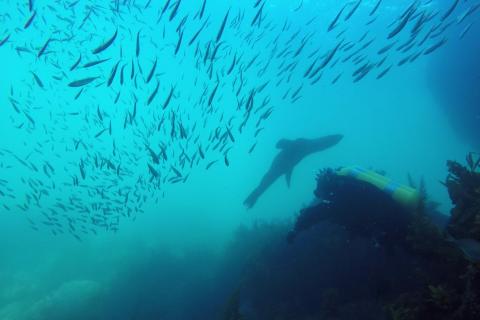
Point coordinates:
pixel 232 311
pixel 463 185
pixel 371 257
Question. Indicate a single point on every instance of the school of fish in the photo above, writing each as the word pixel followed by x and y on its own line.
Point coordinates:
pixel 109 123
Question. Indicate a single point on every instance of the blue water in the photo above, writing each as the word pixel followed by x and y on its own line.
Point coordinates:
pixel 164 253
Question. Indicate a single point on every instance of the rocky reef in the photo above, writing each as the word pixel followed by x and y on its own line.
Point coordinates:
pixel 357 253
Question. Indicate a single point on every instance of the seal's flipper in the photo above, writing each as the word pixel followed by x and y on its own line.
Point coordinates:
pixel 284 143
pixel 251 199
pixel 288 177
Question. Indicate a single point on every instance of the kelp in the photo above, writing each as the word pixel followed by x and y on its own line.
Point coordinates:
pixel 463 184
pixel 384 261
pixel 455 295
pixel 232 308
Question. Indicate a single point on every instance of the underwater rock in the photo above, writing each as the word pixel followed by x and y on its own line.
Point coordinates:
pixel 78 299
pixel 455 84
pixel 359 253
pixel 360 207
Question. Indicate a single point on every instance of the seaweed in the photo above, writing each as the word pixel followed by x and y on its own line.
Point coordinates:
pixel 441 297
pixel 463 184
pixel 232 309
pixel 473 164
pixel 452 296
pixel 424 237
pixel 399 312
pixel 470 300
pixel 355 253
pixel 330 303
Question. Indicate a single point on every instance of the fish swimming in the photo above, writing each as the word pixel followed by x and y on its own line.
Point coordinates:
pixel 104 46
pixel 82 82
pixel 4 40
pixel 44 47
pixel 30 20
pixel 292 152
pixel 222 27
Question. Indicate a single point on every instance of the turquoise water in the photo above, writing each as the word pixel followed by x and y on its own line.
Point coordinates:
pixel 159 253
